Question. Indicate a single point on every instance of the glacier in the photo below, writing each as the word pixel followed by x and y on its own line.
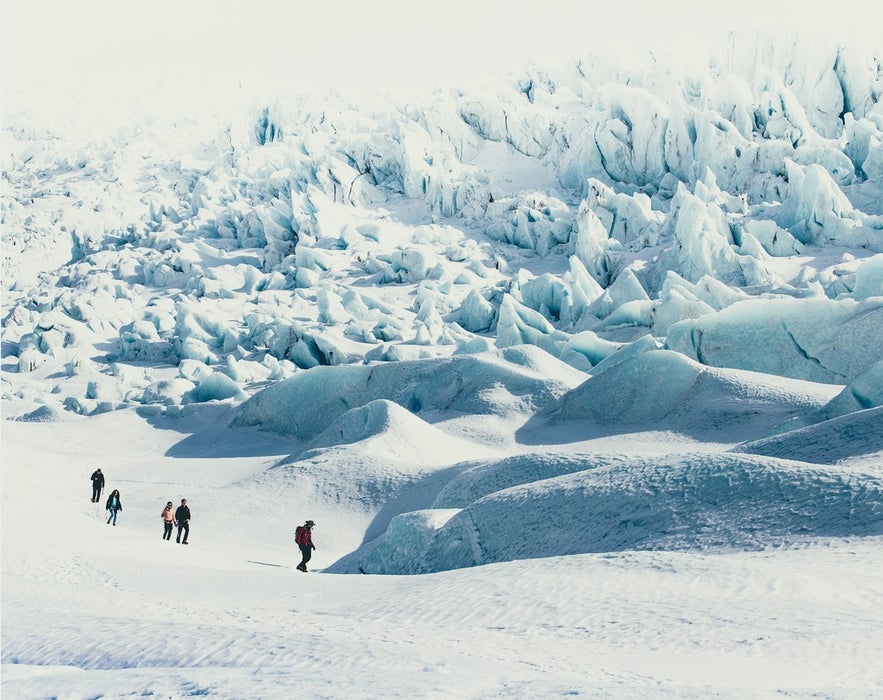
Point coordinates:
pixel 629 306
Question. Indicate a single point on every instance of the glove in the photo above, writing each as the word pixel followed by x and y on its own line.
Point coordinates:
pixel 314 546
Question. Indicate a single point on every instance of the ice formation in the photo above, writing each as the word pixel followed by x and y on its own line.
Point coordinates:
pixel 680 502
pixel 545 206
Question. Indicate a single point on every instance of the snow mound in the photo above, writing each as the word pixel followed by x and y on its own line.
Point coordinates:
pixel 489 477
pixel 666 389
pixel 679 502
pixel 819 339
pixel 43 414
pixel 384 430
pixel 858 433
pixel 864 391
pixel 521 380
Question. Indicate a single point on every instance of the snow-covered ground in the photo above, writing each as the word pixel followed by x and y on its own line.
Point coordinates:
pixel 577 365
pixel 92 610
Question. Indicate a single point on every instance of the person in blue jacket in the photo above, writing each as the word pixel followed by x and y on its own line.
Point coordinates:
pixel 114 505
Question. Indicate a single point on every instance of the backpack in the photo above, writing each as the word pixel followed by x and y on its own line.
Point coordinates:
pixel 299 534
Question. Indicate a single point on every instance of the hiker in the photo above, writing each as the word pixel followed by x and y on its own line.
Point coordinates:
pixel 97 485
pixel 113 505
pixel 303 535
pixel 182 517
pixel 168 520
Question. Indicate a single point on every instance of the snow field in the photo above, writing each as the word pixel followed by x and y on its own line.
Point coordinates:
pixel 90 609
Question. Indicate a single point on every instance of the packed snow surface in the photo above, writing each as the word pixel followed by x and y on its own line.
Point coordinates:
pixel 577 368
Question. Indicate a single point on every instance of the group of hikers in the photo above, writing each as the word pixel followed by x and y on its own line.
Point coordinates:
pixel 180 517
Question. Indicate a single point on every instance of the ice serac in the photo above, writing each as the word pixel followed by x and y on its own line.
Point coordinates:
pixel 817 212
pixel 625 288
pixel 476 313
pixel 519 325
pixel 585 290
pixel 819 340
pixel 869 279
pixel 678 300
pixel 702 243
pixel 216 387
pixel 631 136
pixel 406 538
pixel 536 222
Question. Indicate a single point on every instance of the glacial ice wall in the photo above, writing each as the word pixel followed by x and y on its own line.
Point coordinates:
pixel 575 208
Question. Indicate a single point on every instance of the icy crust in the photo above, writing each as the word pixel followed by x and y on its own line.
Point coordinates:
pixel 857 433
pixel 516 380
pixel 682 502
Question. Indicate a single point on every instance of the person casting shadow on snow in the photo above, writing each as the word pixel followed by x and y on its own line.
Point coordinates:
pixel 97 485
pixel 168 520
pixel 304 538
pixel 182 517
pixel 114 505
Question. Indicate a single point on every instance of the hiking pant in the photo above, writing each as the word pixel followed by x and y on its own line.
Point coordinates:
pixel 96 492
pixel 112 515
pixel 185 528
pixel 167 530
pixel 306 554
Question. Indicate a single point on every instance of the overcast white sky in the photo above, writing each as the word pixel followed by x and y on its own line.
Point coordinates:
pixel 113 52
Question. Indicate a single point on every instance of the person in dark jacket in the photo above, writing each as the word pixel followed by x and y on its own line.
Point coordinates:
pixel 97 485
pixel 304 539
pixel 182 516
pixel 114 505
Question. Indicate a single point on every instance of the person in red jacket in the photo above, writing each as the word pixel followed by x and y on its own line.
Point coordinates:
pixel 304 538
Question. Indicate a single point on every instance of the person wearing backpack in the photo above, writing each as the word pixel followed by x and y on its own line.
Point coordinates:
pixel 168 520
pixel 97 485
pixel 114 505
pixel 303 535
